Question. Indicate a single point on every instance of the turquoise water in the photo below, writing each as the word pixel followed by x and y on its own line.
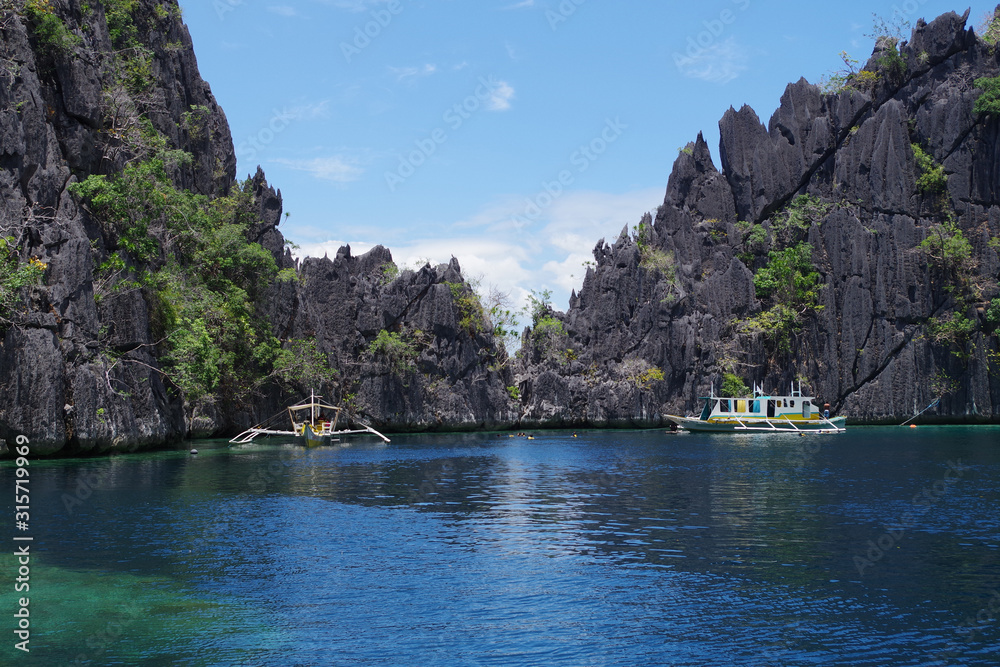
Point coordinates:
pixel 612 548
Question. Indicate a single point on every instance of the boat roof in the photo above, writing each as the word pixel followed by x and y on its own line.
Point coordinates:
pixel 307 406
pixel 758 393
pixel 312 402
pixel 755 397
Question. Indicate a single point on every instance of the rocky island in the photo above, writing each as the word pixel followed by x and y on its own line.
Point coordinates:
pixel 148 296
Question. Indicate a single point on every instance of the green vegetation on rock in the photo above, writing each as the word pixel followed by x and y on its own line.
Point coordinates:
pixel 888 34
pixel 201 277
pixel 789 277
pixel 948 250
pixel 989 28
pixel 121 24
pixel 788 280
pixel 660 261
pixel 393 350
pixel 652 258
pixel 950 255
pixel 953 328
pixel 14 276
pixel 547 338
pixel 988 102
pixel 932 179
pixel 49 29
pixel 777 324
pixel 471 316
pixel 993 314
pixel 389 272
pixel 548 326
pixel 539 304
pixel 799 215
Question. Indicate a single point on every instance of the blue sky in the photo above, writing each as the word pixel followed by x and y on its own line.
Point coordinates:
pixel 512 134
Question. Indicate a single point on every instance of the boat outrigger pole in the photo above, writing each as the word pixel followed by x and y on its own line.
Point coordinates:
pixel 317 430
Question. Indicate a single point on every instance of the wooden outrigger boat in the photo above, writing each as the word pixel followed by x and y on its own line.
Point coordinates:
pixel 313 424
pixel 791 413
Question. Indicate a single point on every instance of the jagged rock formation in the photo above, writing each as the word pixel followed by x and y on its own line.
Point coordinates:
pixel 452 373
pixel 81 86
pixel 56 103
pixel 895 324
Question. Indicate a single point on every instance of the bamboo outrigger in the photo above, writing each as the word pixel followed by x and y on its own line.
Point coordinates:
pixel 313 423
pixel 790 413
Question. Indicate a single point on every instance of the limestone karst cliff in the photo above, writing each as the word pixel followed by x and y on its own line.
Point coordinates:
pixel 147 296
pixel 851 243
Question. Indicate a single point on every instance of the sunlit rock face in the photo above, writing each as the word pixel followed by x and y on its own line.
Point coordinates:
pixel 892 324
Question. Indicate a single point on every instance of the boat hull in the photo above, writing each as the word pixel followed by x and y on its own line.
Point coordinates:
pixel 834 424
pixel 313 439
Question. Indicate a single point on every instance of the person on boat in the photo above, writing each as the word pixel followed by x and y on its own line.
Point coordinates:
pixel 826 411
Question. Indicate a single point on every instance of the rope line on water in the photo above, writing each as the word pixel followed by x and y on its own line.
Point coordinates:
pixel 933 403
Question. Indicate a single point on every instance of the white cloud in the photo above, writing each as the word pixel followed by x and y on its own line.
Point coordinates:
pixel 500 97
pixel 500 263
pixel 720 62
pixel 310 111
pixel 329 248
pixel 336 169
pixel 283 10
pixel 547 255
pixel 402 73
pixel 568 274
pixel 353 5
pixel 577 220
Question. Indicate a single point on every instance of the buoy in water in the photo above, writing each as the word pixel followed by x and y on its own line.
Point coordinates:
pixel 194 451
pixel 913 425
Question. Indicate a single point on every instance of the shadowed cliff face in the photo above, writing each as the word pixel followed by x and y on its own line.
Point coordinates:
pixel 63 116
pixel 91 88
pixel 893 319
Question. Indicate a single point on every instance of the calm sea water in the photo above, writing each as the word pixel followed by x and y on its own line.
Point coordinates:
pixel 879 546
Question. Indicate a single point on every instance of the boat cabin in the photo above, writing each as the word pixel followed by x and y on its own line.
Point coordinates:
pixel 793 407
pixel 760 407
pixel 320 417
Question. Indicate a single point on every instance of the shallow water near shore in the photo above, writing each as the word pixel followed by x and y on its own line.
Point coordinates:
pixel 877 546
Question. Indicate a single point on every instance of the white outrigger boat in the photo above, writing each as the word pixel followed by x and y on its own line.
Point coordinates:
pixel 791 413
pixel 313 423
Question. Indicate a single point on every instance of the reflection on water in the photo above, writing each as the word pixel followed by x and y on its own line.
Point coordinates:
pixel 608 548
